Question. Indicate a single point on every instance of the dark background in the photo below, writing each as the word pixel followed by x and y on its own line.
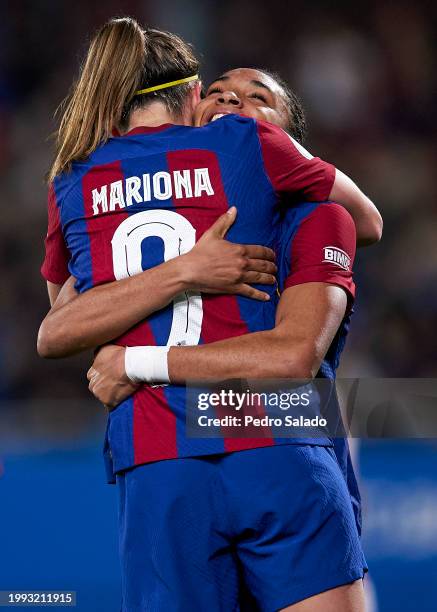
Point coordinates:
pixel 366 73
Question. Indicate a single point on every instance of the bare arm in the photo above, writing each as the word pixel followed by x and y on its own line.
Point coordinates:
pixel 368 221
pixel 290 168
pixel 79 322
pixel 308 318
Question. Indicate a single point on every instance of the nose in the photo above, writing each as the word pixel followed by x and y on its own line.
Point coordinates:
pixel 230 98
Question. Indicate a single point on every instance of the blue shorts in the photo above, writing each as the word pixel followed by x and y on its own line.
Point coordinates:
pixel 252 530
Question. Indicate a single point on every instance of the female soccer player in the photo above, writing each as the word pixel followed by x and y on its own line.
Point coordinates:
pixel 111 199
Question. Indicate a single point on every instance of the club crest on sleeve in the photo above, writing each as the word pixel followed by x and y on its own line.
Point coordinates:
pixel 337 256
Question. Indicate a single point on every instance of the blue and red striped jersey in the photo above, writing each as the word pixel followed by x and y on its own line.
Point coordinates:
pixel 145 197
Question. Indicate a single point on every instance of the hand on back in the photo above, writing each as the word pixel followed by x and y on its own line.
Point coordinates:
pixel 215 265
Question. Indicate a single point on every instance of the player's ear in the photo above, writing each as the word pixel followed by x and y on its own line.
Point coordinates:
pixel 194 99
pixel 196 93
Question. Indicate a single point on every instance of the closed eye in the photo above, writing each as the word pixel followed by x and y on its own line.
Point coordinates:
pixel 214 90
pixel 259 97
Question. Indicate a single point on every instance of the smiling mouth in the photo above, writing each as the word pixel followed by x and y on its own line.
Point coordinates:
pixel 216 116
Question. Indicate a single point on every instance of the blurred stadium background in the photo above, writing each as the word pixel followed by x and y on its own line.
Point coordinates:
pixel 366 72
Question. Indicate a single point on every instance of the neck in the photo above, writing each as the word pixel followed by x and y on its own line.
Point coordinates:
pixel 153 115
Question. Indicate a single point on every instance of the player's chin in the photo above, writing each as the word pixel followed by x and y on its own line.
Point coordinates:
pixel 204 113
pixel 201 121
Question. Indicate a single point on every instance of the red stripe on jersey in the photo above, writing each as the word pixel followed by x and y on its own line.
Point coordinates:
pixel 221 313
pixel 101 227
pixel 212 206
pixel 221 319
pixel 144 129
pixel 154 426
pixel 139 335
pixel 239 444
pixel 55 265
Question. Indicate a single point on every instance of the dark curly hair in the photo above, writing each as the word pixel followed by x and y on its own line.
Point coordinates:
pixel 296 126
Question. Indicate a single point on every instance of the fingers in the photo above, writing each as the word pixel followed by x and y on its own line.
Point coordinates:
pixel 92 376
pixel 255 251
pixel 261 265
pixel 259 278
pixel 223 223
pixel 251 292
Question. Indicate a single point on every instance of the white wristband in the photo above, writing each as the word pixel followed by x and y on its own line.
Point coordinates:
pixel 147 364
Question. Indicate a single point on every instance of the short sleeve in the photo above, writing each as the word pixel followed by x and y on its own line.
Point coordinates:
pixel 57 255
pixel 323 249
pixel 291 168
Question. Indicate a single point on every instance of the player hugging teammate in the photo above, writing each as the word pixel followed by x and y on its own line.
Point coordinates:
pixel 161 242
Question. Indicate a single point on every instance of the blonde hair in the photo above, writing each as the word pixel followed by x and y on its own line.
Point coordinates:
pixel 121 59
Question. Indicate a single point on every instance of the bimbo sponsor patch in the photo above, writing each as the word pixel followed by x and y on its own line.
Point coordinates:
pixel 337 256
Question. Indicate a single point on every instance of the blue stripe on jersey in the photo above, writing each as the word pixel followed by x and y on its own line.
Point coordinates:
pixel 291 221
pixel 260 224
pixel 121 438
pixel 128 146
pixel 75 234
pixel 176 395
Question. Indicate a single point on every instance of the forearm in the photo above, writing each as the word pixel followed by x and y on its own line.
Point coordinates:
pixel 266 354
pixel 307 319
pixel 368 221
pixel 107 311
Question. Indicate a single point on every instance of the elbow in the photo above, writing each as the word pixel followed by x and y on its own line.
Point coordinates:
pixel 48 345
pixel 298 362
pixel 371 230
pixel 44 345
pixel 375 229
pixel 300 371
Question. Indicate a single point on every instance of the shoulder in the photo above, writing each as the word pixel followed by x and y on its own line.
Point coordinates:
pixel 325 217
pixel 65 182
pixel 68 183
pixel 333 215
pixel 233 135
pixel 321 228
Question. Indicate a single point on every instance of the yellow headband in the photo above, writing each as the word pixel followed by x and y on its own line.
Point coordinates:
pixel 165 85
